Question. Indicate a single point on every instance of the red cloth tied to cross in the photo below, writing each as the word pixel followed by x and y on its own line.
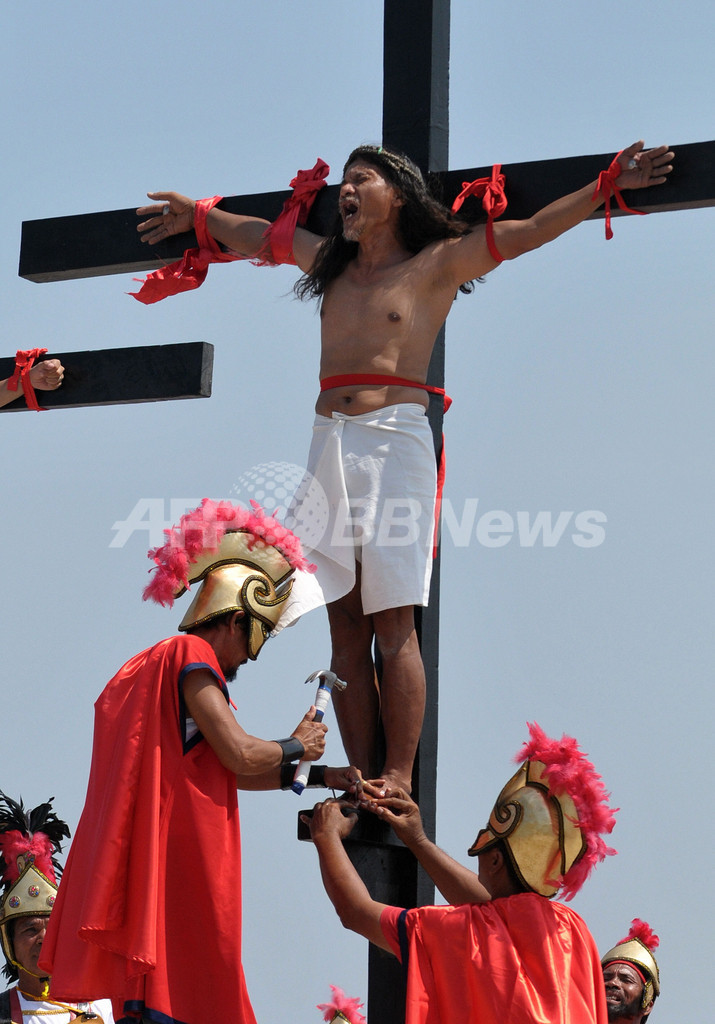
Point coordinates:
pixel 279 236
pixel 606 186
pixel 24 361
pixel 491 192
pixel 190 271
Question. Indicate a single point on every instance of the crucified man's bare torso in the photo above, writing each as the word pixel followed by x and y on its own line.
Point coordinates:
pixel 381 321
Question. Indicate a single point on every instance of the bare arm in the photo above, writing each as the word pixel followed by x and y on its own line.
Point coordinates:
pixel 346 779
pixel 44 376
pixel 469 256
pixel 173 214
pixel 346 890
pixel 456 883
pixel 237 750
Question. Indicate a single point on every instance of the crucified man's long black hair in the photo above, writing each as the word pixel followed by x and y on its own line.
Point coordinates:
pixel 422 219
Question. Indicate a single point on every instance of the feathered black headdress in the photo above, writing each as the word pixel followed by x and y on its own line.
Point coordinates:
pixel 29 840
pixel 36 833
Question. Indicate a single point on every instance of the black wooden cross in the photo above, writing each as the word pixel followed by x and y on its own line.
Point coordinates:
pixel 415 120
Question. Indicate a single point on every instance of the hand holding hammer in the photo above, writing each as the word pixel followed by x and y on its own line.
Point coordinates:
pixel 327 681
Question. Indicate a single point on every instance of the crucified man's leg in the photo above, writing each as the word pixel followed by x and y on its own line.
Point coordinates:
pixel 402 692
pixel 357 707
pixel 400 701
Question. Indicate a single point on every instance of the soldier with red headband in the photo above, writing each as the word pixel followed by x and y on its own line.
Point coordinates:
pixel 631 977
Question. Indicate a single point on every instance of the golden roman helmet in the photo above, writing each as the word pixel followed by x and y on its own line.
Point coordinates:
pixel 241 576
pixel 637 950
pixel 244 561
pixel 538 830
pixel 32 895
pixel 29 843
pixel 550 816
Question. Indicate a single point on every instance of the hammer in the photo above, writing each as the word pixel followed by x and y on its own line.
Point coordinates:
pixel 328 681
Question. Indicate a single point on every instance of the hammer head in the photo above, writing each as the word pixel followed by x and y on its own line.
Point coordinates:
pixel 327 679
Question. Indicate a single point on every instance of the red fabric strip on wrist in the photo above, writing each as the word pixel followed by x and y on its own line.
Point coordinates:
pixel 190 271
pixel 606 186
pixel 206 241
pixel 24 360
pixel 491 191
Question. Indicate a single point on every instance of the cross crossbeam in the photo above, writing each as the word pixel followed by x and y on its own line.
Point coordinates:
pixel 97 244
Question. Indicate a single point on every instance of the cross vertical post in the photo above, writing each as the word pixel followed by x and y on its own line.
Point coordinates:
pixel 415 120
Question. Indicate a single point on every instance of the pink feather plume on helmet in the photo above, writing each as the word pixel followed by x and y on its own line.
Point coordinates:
pixel 642 931
pixel 343 1006
pixel 202 530
pixel 569 771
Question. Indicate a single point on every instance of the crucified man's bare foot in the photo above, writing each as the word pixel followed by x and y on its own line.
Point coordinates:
pixel 394 780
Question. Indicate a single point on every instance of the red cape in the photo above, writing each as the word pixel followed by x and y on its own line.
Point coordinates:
pixel 150 899
pixel 520 959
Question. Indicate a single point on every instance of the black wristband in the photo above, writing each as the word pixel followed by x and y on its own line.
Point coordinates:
pixel 316 776
pixel 292 749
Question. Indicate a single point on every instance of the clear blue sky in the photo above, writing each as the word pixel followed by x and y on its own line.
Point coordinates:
pixel 582 378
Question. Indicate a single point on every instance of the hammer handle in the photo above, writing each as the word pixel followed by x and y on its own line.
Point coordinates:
pixel 322 699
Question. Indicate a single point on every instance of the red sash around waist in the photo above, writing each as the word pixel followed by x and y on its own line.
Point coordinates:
pixel 342 380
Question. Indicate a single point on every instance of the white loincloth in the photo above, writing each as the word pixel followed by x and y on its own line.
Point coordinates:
pixel 369 495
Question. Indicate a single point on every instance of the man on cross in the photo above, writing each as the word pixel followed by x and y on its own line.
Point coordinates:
pixel 386 278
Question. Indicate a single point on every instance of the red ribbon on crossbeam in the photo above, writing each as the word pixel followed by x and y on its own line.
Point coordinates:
pixel 190 271
pixel 24 361
pixel 491 192
pixel 606 186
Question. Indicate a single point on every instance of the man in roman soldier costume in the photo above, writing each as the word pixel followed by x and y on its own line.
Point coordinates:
pixel 502 951
pixel 151 894
pixel 631 976
pixel 29 870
